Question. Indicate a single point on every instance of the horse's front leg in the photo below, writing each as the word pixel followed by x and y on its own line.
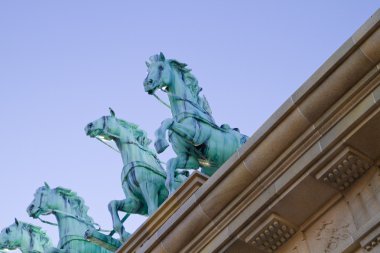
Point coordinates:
pixel 161 143
pixel 128 205
pixel 182 161
pixel 189 129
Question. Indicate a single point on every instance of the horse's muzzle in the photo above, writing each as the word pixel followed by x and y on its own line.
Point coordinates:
pixel 87 129
pixel 149 86
pixel 31 211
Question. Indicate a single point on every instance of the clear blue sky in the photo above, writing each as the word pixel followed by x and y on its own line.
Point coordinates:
pixel 63 63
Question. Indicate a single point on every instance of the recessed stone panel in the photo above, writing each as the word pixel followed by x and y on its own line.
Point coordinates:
pixel 297 244
pixel 333 231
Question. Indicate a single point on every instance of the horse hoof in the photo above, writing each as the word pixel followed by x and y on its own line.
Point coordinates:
pixel 161 145
pixel 171 192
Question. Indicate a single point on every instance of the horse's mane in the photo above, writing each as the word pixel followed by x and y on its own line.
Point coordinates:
pixel 44 238
pixel 189 79
pixel 139 134
pixel 76 202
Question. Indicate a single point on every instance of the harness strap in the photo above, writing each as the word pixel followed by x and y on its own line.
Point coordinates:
pixel 161 101
pixel 191 102
pixel 135 143
pixel 74 217
pixel 132 165
pixel 75 238
pixel 184 115
pixel 47 222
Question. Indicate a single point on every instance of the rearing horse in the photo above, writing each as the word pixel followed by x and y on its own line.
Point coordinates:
pixel 26 237
pixel 142 177
pixel 195 138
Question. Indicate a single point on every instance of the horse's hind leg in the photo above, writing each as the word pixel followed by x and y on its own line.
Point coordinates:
pixel 128 205
pixel 182 161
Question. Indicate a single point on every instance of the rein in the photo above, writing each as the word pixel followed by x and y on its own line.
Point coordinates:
pixel 161 101
pixel 73 217
pixel 108 145
pixel 134 143
pixel 129 166
pixel 191 115
pixel 132 165
pixel 192 103
pixel 47 222
pixel 184 115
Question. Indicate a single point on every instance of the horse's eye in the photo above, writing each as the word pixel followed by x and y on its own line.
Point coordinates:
pixel 160 68
pixel 7 230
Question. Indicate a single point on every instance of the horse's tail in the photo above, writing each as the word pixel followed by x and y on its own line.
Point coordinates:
pixel 244 138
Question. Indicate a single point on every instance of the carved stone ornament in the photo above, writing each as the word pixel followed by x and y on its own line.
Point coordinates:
pixel 347 167
pixel 272 234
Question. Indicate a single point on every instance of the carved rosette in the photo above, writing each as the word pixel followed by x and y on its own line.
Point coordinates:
pixel 345 169
pixel 272 234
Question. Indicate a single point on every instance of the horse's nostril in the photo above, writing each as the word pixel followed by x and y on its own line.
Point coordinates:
pixel 30 208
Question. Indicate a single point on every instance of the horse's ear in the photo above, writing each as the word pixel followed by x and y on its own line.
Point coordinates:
pixel 162 57
pixel 147 64
pixel 16 222
pixel 112 112
pixel 46 185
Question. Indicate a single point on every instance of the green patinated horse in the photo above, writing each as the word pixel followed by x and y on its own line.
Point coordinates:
pixel 195 138
pixel 142 177
pixel 71 214
pixel 26 237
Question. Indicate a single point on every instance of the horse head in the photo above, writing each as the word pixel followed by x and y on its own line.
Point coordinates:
pixel 11 237
pixel 105 127
pixel 27 237
pixel 162 73
pixel 176 79
pixel 60 201
pixel 112 128
pixel 159 74
pixel 42 202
